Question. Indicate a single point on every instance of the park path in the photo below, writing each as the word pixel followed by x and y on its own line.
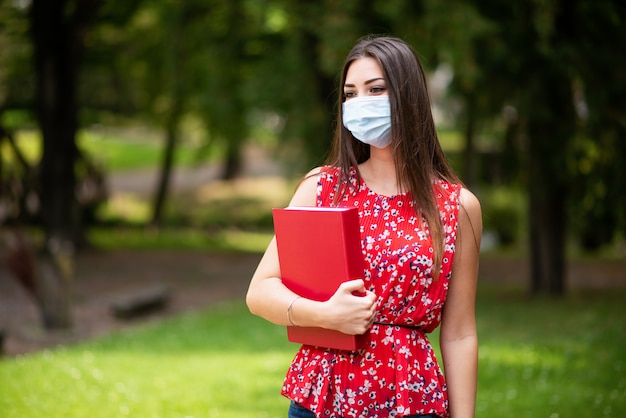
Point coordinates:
pixel 195 280
pixel 256 164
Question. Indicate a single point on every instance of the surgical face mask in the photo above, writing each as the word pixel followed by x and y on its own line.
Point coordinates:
pixel 369 119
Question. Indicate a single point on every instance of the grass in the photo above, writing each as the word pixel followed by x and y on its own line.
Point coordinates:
pixel 538 358
pixel 200 365
pixel 180 238
pixel 552 358
pixel 116 150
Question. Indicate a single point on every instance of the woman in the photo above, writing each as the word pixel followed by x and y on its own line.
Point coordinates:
pixel 420 233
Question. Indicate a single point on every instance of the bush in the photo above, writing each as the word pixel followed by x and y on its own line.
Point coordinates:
pixel 503 214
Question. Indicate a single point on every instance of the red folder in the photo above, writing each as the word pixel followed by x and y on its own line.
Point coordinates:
pixel 318 249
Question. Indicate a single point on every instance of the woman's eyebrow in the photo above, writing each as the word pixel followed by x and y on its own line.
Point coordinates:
pixel 374 79
pixel 366 82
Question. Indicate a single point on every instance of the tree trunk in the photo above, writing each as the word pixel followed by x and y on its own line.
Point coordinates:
pixel 550 126
pixel 174 92
pixel 234 126
pixel 56 66
pixel 469 154
pixel 547 234
pixel 167 163
pixel 54 283
pixel 57 30
pixel 232 160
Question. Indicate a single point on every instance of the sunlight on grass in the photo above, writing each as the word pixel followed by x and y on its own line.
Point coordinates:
pixel 232 240
pixel 247 241
pixel 530 381
pixel 272 190
pixel 552 358
pixel 521 355
pixel 222 363
pixel 115 149
pixel 126 206
pixel 538 358
pixel 116 152
pixel 125 149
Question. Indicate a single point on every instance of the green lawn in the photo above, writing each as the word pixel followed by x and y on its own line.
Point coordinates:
pixel 552 358
pixel 115 150
pixel 538 358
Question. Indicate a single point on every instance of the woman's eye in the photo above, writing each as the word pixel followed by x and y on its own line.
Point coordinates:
pixel 378 89
pixel 349 94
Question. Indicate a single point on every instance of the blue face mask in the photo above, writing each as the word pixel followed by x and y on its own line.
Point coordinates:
pixel 369 119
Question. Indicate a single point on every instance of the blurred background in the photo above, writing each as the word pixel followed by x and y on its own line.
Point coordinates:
pixel 160 126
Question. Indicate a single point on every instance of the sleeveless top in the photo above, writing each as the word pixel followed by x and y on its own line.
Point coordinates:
pixel 396 374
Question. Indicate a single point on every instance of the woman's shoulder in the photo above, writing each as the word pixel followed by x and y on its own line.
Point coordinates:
pixel 470 211
pixel 469 201
pixel 307 188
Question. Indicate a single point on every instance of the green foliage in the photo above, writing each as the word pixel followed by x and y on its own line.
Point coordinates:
pixel 235 66
pixel 598 202
pixel 16 78
pixel 225 362
pixel 504 214
pixel 554 65
pixel 450 140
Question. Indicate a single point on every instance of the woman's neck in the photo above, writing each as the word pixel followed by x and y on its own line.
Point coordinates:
pixel 379 173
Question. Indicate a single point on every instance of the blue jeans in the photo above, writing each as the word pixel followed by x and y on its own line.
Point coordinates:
pixel 297 411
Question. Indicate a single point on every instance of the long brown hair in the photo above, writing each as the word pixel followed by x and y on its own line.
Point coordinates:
pixel 417 152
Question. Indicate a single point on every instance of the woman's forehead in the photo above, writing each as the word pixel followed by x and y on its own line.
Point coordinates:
pixel 363 69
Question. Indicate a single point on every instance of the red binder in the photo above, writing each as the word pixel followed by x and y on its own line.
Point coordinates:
pixel 318 249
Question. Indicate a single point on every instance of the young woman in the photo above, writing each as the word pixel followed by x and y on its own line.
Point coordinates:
pixel 420 233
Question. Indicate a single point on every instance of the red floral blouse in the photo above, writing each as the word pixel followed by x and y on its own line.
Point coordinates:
pixel 397 373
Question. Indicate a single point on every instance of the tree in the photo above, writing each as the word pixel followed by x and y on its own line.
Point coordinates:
pixel 222 102
pixel 302 69
pixel 175 54
pixel 58 29
pixel 542 53
pixel 17 175
pixel 598 204
pixel 450 31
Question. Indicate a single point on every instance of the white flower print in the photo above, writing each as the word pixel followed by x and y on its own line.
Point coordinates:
pixel 375 382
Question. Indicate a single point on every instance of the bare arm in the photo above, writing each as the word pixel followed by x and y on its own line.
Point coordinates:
pixel 269 298
pixel 458 338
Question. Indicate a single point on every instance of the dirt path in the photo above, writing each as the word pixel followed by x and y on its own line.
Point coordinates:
pixel 196 281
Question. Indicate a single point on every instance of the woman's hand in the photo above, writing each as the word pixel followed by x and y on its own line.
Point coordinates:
pixel 351 310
